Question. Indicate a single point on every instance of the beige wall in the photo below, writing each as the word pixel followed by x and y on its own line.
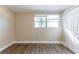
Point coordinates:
pixel 7 26
pixel 25 30
pixel 71 29
pixel 20 27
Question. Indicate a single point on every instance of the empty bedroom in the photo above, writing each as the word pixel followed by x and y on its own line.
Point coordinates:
pixel 39 29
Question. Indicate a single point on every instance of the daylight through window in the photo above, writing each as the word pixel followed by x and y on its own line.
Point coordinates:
pixel 47 21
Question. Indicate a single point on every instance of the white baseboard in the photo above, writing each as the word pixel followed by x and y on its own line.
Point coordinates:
pixel 6 46
pixel 73 50
pixel 64 44
pixel 43 42
pixel 49 42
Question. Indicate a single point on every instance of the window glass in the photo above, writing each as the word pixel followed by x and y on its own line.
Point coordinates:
pixel 49 21
pixel 52 24
pixel 40 24
pixel 39 18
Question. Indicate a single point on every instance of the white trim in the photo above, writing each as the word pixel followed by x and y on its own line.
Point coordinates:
pixel 74 50
pixel 43 42
pixel 50 42
pixel 6 46
pixel 63 44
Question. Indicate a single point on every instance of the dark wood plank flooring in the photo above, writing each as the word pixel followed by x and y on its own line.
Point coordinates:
pixel 37 49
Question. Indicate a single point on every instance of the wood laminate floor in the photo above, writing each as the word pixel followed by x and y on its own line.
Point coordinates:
pixel 37 49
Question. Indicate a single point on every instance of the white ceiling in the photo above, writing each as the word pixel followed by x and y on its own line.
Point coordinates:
pixel 39 8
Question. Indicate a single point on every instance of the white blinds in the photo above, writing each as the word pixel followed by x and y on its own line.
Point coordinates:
pixel 71 20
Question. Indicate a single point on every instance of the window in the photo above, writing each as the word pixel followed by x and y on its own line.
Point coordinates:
pixel 40 21
pixel 48 21
pixel 52 21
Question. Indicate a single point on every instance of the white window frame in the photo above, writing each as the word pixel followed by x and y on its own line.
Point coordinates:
pixel 54 20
